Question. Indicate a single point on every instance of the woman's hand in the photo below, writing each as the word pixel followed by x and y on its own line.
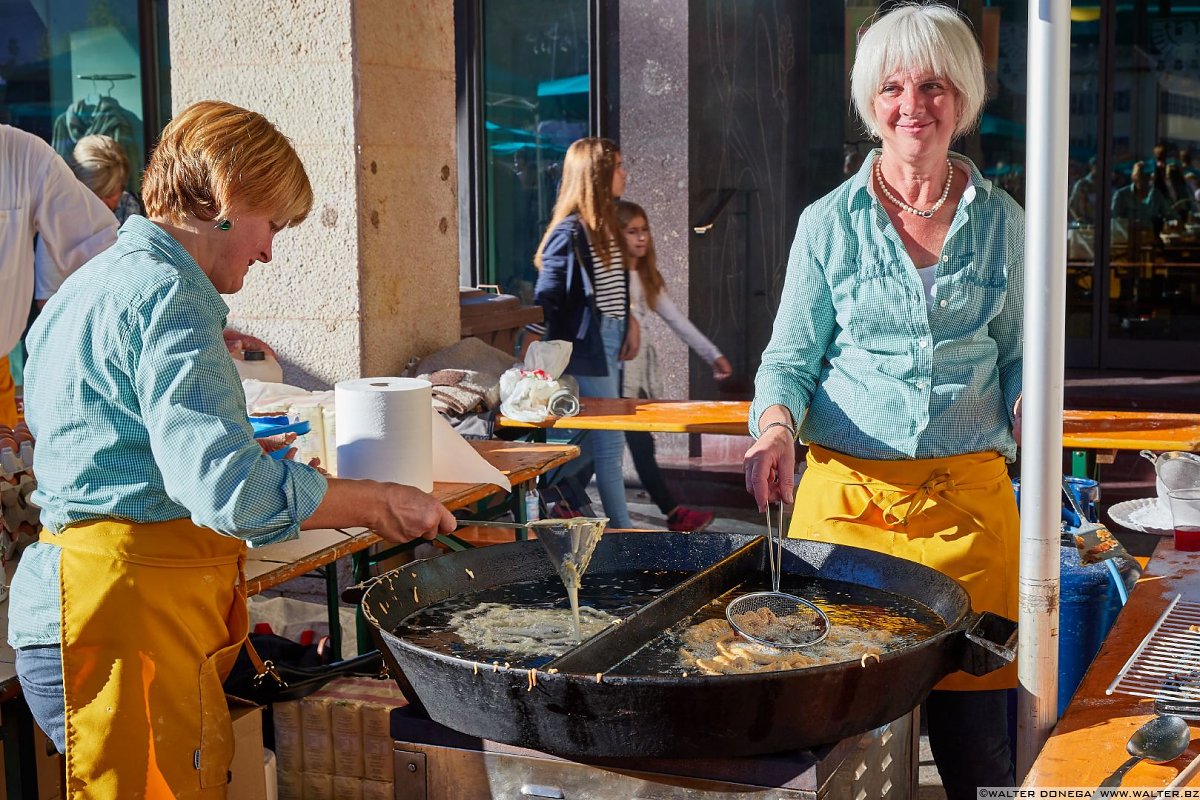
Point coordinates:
pixel 236 341
pixel 633 340
pixel 770 463
pixel 270 444
pixel 407 513
pixel 1017 419
pixel 721 368
pixel 393 511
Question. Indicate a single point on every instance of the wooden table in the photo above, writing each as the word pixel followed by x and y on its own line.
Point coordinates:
pixel 277 563
pixel 1088 744
pixel 658 416
pixel 1093 435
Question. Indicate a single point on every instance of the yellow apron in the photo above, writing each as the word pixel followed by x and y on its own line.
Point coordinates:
pixel 957 515
pixel 8 394
pixel 153 616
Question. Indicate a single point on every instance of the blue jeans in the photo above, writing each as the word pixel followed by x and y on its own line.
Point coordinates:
pixel 606 449
pixel 39 669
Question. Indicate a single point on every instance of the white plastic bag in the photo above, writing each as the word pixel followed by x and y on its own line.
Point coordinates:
pixel 525 394
pixel 549 357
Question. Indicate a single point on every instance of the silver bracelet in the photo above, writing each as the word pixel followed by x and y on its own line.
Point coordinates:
pixel 778 424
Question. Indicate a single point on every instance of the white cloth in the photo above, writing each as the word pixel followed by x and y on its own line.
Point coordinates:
pixel 39 194
pixel 929 282
pixel 641 373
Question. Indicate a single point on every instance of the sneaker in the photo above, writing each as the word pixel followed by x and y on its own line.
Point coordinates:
pixel 685 519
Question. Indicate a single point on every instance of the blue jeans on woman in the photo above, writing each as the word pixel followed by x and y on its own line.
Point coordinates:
pixel 606 449
pixel 39 669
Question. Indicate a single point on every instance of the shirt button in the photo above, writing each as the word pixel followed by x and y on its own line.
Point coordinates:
pixel 923 343
pixel 920 384
pixel 945 258
pixel 942 303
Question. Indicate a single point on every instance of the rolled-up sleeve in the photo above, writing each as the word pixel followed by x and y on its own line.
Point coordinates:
pixel 804 327
pixel 195 416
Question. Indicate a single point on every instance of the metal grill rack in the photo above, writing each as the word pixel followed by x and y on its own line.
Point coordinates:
pixel 1166 664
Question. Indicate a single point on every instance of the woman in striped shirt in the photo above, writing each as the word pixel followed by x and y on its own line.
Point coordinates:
pixel 583 289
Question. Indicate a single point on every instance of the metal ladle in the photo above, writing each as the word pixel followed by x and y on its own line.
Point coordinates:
pixel 1159 740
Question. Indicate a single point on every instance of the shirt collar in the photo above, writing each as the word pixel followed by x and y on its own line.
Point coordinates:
pixel 862 188
pixel 139 231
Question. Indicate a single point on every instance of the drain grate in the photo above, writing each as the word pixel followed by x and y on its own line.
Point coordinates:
pixel 1166 664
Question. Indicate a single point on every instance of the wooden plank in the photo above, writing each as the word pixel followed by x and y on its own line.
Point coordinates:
pixel 1131 430
pixel 659 416
pixel 1093 430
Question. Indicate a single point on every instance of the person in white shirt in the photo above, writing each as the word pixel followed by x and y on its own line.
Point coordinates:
pixel 648 293
pixel 39 195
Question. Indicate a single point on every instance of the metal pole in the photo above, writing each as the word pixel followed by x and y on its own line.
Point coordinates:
pixel 1045 312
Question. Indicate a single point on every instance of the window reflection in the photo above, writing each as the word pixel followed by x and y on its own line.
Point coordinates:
pixel 1155 214
pixel 73 68
pixel 536 84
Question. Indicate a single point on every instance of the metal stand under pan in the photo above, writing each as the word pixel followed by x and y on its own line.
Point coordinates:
pixel 433 762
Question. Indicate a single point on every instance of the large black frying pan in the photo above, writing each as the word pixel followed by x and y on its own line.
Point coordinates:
pixel 570 713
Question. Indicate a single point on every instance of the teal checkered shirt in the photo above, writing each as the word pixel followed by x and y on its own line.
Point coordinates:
pixel 869 367
pixel 139 415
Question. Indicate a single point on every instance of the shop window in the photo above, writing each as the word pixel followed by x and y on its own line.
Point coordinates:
pixel 534 101
pixel 69 68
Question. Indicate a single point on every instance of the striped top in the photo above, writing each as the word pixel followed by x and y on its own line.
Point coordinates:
pixel 139 415
pixel 610 282
pixel 865 366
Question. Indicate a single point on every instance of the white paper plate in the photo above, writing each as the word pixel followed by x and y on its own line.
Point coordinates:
pixel 1145 515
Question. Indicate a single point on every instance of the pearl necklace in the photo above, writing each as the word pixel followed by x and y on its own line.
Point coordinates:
pixel 912 209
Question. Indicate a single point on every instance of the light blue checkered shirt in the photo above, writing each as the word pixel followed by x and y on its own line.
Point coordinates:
pixel 870 368
pixel 139 415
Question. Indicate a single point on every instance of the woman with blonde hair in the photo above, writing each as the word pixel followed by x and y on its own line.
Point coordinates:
pixel 101 165
pixel 131 608
pixel 896 357
pixel 583 289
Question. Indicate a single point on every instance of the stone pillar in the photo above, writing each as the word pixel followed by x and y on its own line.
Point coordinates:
pixel 365 91
pixel 653 123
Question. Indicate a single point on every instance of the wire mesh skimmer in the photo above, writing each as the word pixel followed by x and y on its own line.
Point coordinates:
pixel 777 619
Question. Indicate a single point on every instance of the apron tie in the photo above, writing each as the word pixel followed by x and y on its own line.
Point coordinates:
pixel 934 487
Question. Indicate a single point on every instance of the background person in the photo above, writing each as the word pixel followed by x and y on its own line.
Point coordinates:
pixel 648 293
pixel 583 289
pixel 38 195
pixel 131 609
pixel 896 356
pixel 100 164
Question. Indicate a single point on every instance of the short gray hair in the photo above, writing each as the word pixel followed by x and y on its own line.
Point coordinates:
pixel 925 36
pixel 100 164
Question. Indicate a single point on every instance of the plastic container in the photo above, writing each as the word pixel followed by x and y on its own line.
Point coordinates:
pixel 1088 607
pixel 258 364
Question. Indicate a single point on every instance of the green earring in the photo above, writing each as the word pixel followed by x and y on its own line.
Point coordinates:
pixel 225 225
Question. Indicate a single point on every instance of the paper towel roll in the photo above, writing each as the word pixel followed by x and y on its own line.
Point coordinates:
pixel 384 430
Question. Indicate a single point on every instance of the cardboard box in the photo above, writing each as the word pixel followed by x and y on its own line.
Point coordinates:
pixel 249 779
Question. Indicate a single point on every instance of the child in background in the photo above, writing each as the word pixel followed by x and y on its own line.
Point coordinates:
pixel 583 289
pixel 648 293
